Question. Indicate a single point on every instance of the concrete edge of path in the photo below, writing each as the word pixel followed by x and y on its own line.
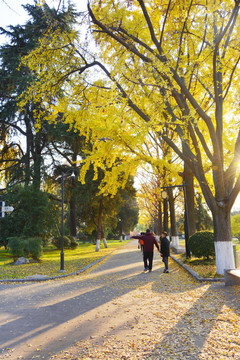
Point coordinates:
pixel 194 274
pixel 43 278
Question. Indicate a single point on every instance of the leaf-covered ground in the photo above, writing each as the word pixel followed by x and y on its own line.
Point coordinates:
pixel 116 311
pixel 170 316
pixel 204 268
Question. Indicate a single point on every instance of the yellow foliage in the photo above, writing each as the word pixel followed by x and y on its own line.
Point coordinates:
pixel 155 71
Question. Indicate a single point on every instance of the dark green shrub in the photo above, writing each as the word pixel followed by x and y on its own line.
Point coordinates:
pixel 74 243
pixel 35 247
pixel 57 241
pixel 201 244
pixel 26 247
pixel 16 247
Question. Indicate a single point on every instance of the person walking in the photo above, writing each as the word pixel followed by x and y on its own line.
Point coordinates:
pixel 149 242
pixel 165 250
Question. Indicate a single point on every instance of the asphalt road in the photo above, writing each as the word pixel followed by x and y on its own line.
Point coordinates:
pixel 42 319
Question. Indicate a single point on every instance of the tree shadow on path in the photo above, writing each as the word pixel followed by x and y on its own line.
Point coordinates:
pixel 209 325
pixel 54 315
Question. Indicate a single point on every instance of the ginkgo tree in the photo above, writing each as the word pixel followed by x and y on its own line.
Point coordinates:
pixel 160 66
pixel 189 53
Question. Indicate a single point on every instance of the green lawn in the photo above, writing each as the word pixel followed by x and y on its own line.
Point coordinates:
pixel 50 261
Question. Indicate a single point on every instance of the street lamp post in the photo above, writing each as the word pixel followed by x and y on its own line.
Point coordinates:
pixel 62 226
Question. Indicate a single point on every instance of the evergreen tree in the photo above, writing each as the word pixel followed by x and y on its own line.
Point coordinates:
pixel 128 212
pixel 90 204
pixel 20 126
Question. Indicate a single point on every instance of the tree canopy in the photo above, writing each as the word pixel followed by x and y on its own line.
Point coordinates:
pixel 159 67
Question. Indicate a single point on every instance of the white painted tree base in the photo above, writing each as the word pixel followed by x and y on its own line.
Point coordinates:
pixel 224 256
pixel 175 241
pixel 97 248
pixel 105 243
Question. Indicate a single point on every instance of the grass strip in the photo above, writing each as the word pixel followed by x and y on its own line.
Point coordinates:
pixel 49 264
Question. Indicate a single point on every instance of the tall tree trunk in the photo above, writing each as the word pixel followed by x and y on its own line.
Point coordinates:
pixel 223 240
pixel 37 158
pixel 28 151
pixel 189 182
pixel 159 225
pixel 155 225
pixel 159 219
pixel 174 233
pixel 103 237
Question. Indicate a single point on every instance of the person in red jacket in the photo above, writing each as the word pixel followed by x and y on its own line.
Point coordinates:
pixel 149 242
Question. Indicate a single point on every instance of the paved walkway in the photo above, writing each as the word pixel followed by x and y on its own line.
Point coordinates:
pixel 115 311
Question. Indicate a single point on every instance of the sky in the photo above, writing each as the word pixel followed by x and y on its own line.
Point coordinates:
pixel 12 12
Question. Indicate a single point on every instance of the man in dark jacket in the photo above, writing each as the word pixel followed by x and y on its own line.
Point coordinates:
pixel 165 250
pixel 149 242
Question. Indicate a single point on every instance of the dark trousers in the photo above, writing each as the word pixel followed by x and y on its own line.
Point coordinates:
pixel 165 260
pixel 148 259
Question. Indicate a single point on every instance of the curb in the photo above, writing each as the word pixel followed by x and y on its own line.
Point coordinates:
pixel 59 276
pixel 194 274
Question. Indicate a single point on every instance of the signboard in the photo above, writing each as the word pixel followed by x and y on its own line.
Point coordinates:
pixel 4 209
pixel 7 208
